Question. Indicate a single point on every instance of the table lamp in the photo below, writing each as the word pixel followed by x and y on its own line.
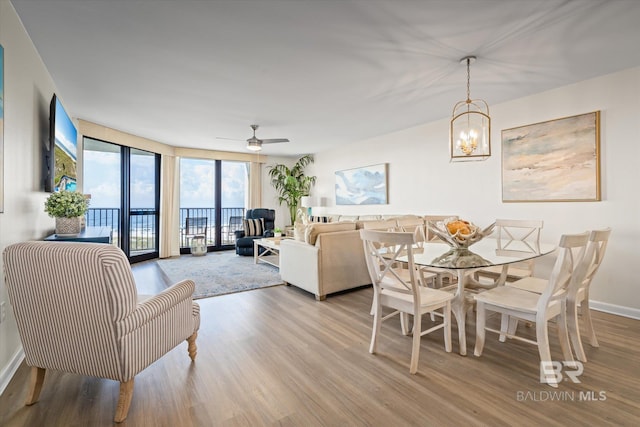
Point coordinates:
pixel 308 202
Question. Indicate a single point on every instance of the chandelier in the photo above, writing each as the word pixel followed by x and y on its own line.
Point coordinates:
pixel 470 132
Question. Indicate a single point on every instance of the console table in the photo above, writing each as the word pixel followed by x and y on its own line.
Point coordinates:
pixel 88 235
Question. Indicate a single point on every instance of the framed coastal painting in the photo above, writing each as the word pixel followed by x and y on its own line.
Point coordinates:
pixel 1 128
pixel 553 161
pixel 362 186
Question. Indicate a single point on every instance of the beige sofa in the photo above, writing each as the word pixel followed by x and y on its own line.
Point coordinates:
pixel 330 257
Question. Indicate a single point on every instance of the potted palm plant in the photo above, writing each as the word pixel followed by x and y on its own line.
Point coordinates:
pixel 291 183
pixel 68 208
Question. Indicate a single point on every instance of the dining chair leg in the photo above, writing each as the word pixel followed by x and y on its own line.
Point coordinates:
pixel 415 348
pixel 404 323
pixel 377 322
pixel 561 324
pixel 447 327
pixel 504 326
pixel 586 317
pixel 480 332
pixel 542 338
pixel 574 330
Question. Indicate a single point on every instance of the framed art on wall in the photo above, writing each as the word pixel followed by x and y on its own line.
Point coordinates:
pixel 1 128
pixel 552 161
pixel 362 186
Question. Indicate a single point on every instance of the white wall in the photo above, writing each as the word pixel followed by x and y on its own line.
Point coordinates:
pixel 422 181
pixel 28 89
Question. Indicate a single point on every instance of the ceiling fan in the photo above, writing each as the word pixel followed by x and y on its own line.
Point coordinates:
pixel 255 144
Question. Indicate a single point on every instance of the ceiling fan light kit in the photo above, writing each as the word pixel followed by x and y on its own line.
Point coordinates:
pixel 470 131
pixel 255 144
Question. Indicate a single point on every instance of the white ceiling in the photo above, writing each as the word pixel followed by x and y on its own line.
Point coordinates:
pixel 319 72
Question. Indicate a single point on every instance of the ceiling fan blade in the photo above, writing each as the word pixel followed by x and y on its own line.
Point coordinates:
pixel 274 140
pixel 229 139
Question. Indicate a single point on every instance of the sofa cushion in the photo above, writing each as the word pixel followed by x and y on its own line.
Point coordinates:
pixel 381 224
pixel 344 218
pixel 369 217
pixel 410 221
pixel 312 230
pixel 253 227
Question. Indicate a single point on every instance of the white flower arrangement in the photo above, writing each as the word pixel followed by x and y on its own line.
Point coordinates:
pixel 66 204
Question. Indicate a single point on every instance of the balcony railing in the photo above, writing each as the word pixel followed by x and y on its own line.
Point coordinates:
pixel 231 221
pixel 142 225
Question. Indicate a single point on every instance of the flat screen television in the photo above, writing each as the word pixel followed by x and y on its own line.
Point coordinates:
pixel 62 158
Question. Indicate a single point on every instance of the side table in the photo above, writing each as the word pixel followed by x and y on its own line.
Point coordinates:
pixel 88 235
pixel 270 253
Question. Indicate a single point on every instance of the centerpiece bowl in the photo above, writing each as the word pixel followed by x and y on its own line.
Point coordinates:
pixel 459 234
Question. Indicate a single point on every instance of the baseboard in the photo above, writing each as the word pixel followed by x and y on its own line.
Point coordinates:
pixel 633 313
pixel 11 368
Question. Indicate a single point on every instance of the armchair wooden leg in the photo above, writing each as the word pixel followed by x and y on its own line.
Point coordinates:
pixel 193 349
pixel 124 401
pixel 35 384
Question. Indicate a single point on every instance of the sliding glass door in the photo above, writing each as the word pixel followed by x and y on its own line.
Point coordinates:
pixel 213 197
pixel 124 184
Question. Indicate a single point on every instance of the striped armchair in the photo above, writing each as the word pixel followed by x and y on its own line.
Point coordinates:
pixel 77 311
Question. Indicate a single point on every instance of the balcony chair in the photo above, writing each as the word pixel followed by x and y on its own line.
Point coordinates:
pixel 76 309
pixel 195 226
pixel 260 228
pixel 392 290
pixel 235 224
pixel 514 303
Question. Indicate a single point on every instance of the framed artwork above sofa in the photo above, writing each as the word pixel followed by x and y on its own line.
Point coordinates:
pixel 366 185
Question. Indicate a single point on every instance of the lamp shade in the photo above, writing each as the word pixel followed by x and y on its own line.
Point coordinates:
pixel 308 202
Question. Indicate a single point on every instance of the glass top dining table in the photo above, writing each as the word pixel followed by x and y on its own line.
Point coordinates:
pixel 463 262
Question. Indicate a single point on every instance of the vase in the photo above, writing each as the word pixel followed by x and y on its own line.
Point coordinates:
pixel 68 226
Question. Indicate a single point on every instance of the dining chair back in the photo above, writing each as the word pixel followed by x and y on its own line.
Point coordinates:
pixel 515 235
pixel 578 293
pixel 399 289
pixel 514 303
pixel 429 235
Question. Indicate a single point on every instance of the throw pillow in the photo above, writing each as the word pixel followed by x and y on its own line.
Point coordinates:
pixel 254 227
pixel 319 219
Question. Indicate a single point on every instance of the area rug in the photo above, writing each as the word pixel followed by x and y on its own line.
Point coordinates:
pixel 219 273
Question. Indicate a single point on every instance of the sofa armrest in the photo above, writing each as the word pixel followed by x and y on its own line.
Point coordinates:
pixel 239 234
pixel 299 265
pixel 155 306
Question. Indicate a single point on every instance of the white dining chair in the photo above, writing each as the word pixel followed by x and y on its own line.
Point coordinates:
pixel 514 235
pixel 429 236
pixel 515 303
pixel 578 294
pixel 392 290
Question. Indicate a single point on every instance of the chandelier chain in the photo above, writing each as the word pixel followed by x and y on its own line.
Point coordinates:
pixel 468 81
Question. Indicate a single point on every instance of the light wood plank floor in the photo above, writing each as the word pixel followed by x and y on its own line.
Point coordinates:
pixel 277 357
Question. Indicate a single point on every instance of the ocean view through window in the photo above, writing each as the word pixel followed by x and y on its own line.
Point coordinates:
pixel 216 190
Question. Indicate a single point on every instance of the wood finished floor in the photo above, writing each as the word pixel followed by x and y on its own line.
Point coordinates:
pixel 278 357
